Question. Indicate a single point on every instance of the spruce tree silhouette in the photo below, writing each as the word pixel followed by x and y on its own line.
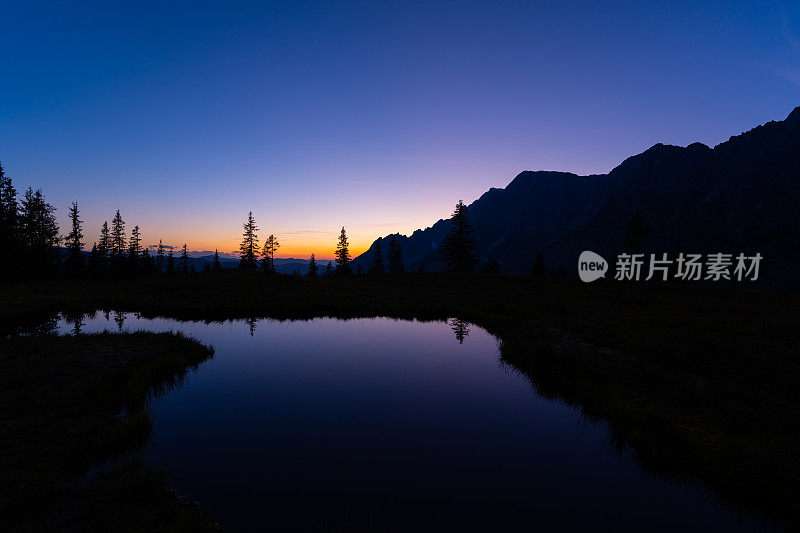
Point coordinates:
pixel 184 261
pixel 134 251
pixel 460 329
pixel 38 230
pixel 271 244
pixel 376 266
pixel 117 235
pixel 459 251
pixel 74 264
pixel 9 236
pixel 249 245
pixel 216 266
pixel 117 251
pixel 342 254
pixel 312 267
pixel 395 256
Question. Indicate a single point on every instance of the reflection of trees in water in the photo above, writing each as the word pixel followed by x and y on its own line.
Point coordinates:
pixel 460 329
pixel 76 319
pixel 119 318
pixel 252 322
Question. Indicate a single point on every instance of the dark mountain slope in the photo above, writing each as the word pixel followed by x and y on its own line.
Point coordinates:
pixel 743 195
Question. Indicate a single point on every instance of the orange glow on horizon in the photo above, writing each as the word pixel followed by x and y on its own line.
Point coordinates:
pixel 322 250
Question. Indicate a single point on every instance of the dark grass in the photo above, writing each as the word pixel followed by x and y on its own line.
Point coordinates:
pixel 702 383
pixel 72 402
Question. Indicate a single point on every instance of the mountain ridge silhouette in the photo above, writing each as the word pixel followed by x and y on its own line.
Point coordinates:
pixel 743 195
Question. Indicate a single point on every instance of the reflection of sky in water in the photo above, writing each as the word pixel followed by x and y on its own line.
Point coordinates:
pixel 329 422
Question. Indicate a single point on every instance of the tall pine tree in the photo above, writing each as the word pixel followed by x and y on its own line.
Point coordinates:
pixel 459 250
pixel 312 267
pixel 249 246
pixel 117 252
pixel 343 255
pixel 9 237
pixel 73 241
pixel 134 251
pixel 184 260
pixel 117 236
pixel 216 266
pixel 271 245
pixel 39 234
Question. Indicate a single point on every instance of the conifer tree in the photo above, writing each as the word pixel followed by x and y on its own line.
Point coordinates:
pixel 73 241
pixel 134 251
pixel 216 266
pixel 39 233
pixel 117 252
pixel 117 236
pixel 160 258
pixel 134 244
pixel 268 261
pixel 104 246
pixel 249 246
pixel 9 211
pixel 170 264
pixel 342 254
pixel 459 250
pixel 312 267
pixel 376 266
pixel 101 269
pixel 184 260
pixel 460 329
pixel 395 256
pixel 329 269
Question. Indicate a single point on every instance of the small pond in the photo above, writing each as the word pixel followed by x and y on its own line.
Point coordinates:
pixel 359 424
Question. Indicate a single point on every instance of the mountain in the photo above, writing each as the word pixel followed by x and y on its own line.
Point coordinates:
pixel 741 196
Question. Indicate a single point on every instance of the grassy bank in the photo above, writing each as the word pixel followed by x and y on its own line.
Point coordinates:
pixel 72 402
pixel 701 382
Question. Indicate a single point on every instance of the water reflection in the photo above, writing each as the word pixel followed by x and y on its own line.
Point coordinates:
pixel 373 416
pixel 460 329
pixel 252 324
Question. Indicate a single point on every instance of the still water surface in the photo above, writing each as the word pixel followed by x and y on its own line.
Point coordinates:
pixel 358 424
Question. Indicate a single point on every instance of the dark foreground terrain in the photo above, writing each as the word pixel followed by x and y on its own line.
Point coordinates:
pixel 702 383
pixel 72 402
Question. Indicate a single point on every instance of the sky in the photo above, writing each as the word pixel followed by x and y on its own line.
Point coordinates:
pixel 376 116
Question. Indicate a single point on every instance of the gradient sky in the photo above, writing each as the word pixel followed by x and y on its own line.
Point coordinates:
pixel 371 115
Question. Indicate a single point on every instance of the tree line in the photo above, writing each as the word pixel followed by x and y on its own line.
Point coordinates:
pixel 30 244
pixel 30 240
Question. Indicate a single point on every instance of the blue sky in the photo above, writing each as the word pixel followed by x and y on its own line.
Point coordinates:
pixel 373 115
